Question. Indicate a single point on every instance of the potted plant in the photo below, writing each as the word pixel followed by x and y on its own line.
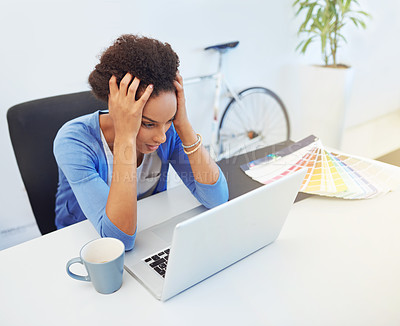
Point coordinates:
pixel 325 92
pixel 325 20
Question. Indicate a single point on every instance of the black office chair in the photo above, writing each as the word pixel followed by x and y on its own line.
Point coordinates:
pixel 33 126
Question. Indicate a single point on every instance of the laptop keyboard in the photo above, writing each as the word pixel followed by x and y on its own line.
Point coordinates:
pixel 158 262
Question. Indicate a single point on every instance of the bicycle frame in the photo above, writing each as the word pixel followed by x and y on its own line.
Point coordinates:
pixel 220 81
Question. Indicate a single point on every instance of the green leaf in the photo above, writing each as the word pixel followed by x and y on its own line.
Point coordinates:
pixel 308 17
pixel 362 23
pixel 323 42
pixel 331 9
pixel 342 37
pixel 295 3
pixel 354 20
pixel 363 13
pixel 306 44
pixel 299 45
pixel 347 5
pixel 299 10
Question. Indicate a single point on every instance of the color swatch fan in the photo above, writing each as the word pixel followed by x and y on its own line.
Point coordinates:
pixel 328 173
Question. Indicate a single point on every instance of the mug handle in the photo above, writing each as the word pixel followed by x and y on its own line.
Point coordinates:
pixel 75 276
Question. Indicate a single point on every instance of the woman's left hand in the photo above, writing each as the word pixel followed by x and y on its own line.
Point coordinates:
pixel 181 121
pixel 204 169
pixel 181 118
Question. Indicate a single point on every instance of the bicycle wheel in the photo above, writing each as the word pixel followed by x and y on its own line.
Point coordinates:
pixel 259 120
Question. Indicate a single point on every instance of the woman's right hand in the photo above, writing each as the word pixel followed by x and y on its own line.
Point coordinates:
pixel 124 109
pixel 126 114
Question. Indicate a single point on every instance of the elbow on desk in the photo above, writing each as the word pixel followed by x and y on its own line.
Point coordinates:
pixel 215 200
pixel 212 195
pixel 127 240
pixel 108 229
pixel 129 244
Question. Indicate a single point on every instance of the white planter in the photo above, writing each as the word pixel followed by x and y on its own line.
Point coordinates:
pixel 324 96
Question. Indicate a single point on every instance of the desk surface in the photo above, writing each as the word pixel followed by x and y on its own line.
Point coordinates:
pixel 336 262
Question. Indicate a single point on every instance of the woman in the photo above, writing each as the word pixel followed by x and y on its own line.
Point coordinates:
pixel 109 159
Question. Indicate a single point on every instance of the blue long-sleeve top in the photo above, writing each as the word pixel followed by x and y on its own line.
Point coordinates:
pixel 82 187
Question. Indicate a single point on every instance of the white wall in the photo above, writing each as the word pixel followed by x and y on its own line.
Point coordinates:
pixel 49 48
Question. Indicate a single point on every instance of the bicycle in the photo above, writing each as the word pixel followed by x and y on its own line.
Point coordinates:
pixel 254 117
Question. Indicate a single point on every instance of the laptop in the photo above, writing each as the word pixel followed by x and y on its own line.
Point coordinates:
pixel 172 256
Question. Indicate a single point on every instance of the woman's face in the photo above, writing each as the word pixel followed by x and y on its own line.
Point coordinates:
pixel 157 117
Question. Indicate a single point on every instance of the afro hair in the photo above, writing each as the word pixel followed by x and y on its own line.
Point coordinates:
pixel 150 60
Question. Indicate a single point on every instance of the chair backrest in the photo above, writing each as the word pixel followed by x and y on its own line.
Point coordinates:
pixel 33 126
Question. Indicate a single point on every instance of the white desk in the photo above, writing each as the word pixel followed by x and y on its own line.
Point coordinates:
pixel 336 262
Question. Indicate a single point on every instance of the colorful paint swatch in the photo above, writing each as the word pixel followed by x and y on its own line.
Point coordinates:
pixel 328 173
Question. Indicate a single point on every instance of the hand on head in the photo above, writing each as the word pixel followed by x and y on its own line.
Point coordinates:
pixel 125 110
pixel 181 114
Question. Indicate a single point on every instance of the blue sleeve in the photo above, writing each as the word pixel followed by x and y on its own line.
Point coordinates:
pixel 78 158
pixel 208 195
